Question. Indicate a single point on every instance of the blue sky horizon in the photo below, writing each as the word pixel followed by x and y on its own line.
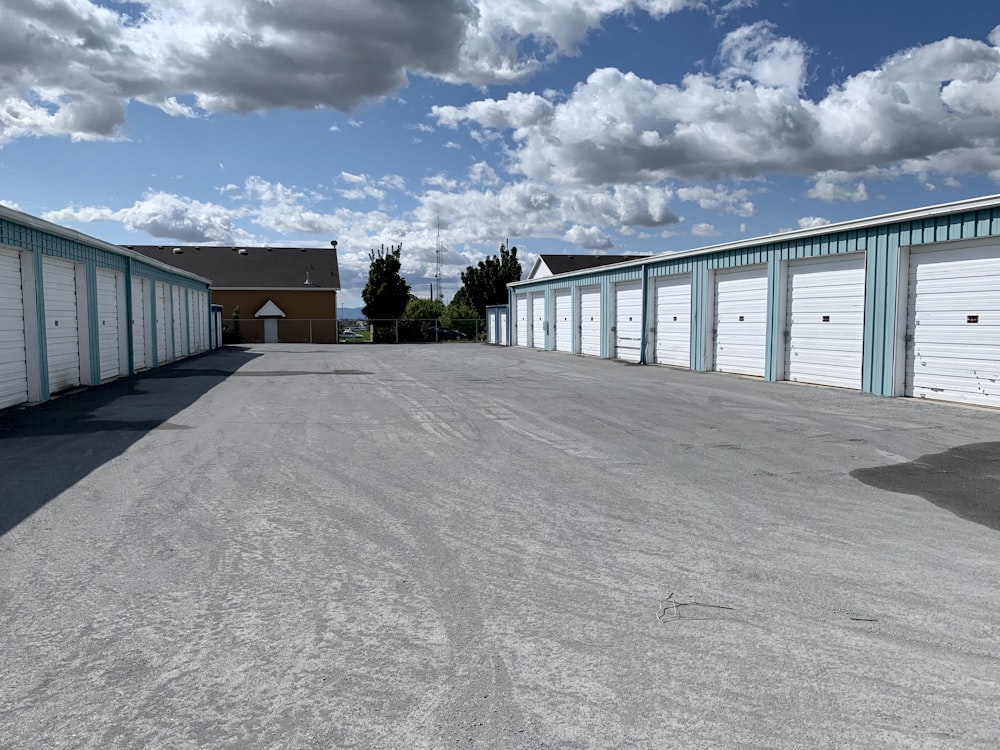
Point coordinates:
pixel 611 126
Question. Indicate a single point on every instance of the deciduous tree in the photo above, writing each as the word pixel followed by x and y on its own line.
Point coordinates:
pixel 386 292
pixel 486 284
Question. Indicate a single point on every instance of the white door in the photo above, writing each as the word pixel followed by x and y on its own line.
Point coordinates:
pixel 13 362
pixel 521 302
pixel 108 343
pixel 590 321
pixel 741 320
pixel 163 324
pixel 953 325
pixel 825 321
pixel 537 306
pixel 564 320
pixel 180 325
pixel 140 340
pixel 62 335
pixel 628 321
pixel 503 327
pixel 491 327
pixel 673 320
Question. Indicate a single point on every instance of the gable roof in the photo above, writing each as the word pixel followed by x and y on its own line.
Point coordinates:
pixel 246 267
pixel 565 263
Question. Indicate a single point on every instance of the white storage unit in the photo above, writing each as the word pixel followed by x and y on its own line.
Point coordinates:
pixel 140 322
pixel 108 337
pixel 180 322
pixel 563 300
pixel 628 321
pixel 825 320
pixel 13 360
pixel 536 304
pixel 491 326
pixel 741 320
pixel 590 320
pixel 163 323
pixel 62 334
pixel 503 327
pixel 672 320
pixel 521 320
pixel 953 324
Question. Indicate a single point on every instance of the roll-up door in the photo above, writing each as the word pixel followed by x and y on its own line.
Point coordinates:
pixel 163 324
pixel 741 320
pixel 503 327
pixel 108 342
pixel 953 325
pixel 62 334
pixel 628 321
pixel 563 299
pixel 491 327
pixel 521 331
pixel 13 362
pixel 825 321
pixel 590 321
pixel 140 357
pixel 180 323
pixel 673 320
pixel 537 307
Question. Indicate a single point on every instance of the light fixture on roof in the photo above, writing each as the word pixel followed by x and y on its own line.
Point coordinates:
pixel 178 251
pixel 333 244
pixel 307 282
pixel 242 251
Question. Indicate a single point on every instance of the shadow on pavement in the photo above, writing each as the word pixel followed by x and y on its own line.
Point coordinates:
pixel 48 448
pixel 964 480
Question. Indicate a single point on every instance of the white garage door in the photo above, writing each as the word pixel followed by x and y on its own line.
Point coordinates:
pixel 13 365
pixel 491 327
pixel 953 326
pixel 673 320
pixel 62 337
pixel 741 320
pixel 590 321
pixel 521 302
pixel 628 321
pixel 537 306
pixel 564 320
pixel 140 360
pixel 825 321
pixel 503 328
pixel 180 322
pixel 163 324
pixel 107 323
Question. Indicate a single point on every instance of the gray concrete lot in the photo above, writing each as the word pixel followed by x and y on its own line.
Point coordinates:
pixel 457 545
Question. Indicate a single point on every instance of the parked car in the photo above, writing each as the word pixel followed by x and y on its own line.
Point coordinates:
pixel 437 333
pixel 350 334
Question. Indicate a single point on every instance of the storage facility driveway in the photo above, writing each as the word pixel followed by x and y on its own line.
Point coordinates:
pixel 431 546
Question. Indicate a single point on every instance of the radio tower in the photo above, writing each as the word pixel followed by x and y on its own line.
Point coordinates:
pixel 437 257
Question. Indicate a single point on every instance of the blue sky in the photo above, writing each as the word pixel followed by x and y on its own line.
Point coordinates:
pixel 616 126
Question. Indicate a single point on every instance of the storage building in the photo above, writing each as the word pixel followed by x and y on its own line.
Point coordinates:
pixel 904 304
pixel 75 310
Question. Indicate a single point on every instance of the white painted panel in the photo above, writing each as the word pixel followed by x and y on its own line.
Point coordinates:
pixel 107 323
pixel 139 323
pixel 953 326
pixel 564 320
pixel 192 320
pixel 673 320
pixel 628 320
pixel 503 328
pixel 491 327
pixel 13 360
pixel 825 321
pixel 741 320
pixel 521 330
pixel 180 323
pixel 62 337
pixel 536 303
pixel 590 321
pixel 162 323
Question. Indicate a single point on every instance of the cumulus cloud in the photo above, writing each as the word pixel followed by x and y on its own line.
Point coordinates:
pixel 812 222
pixel 591 238
pixel 833 186
pixel 704 230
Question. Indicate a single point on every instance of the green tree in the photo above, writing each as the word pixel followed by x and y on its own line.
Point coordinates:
pixel 462 317
pixel 424 309
pixel 386 293
pixel 486 284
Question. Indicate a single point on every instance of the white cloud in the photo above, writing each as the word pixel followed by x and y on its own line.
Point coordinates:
pixel 591 238
pixel 719 199
pixel 704 230
pixel 812 222
pixel 834 186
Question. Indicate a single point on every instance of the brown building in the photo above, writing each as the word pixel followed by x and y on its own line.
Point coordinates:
pixel 284 294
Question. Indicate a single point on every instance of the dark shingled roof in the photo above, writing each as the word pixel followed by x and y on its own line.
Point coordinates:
pixel 567 263
pixel 253 267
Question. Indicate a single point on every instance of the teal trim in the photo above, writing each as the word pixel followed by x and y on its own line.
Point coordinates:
pixel 93 330
pixel 129 317
pixel 644 340
pixel 43 344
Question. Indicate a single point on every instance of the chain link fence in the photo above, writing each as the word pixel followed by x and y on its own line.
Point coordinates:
pixel 332 331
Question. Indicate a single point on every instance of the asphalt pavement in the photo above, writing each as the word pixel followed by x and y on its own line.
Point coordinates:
pixel 457 545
